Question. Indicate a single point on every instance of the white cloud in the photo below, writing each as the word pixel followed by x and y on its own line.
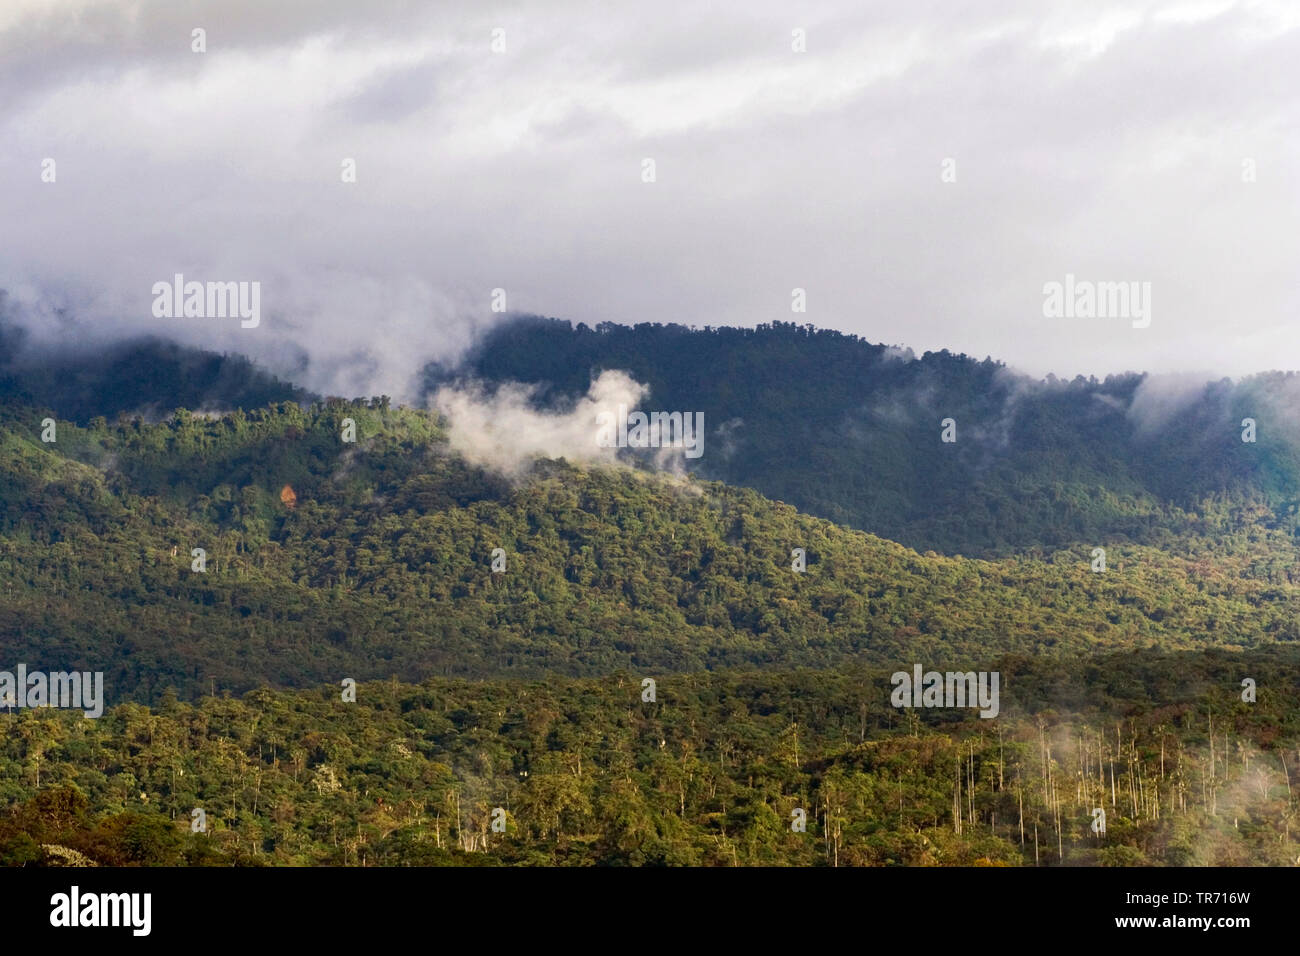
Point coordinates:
pixel 1105 141
pixel 502 431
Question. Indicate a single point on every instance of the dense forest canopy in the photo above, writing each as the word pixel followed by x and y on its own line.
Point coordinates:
pixel 520 688
pixel 849 431
pixel 382 566
pixel 584 772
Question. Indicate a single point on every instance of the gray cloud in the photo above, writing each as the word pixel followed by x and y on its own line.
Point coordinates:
pixel 1159 398
pixel 1105 141
pixel 501 430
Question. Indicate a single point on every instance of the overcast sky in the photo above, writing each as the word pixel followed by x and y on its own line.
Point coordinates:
pixel 1110 141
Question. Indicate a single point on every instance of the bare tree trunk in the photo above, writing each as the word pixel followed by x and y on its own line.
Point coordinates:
pixel 1020 798
pixel 1101 767
pixel 1213 796
pixel 1060 853
pixel 970 788
pixel 956 793
pixel 1286 773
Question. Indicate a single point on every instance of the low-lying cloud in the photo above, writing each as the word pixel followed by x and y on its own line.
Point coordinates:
pixel 503 430
pixel 1161 398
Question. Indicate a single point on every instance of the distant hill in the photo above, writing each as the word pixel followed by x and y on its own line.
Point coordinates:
pixel 851 431
pixel 378 563
pixel 838 427
pixel 323 559
pixel 146 376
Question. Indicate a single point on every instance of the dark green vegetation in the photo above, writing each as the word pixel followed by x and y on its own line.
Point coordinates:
pixel 223 686
pixel 849 431
pixel 383 567
pixel 147 377
pixel 708 774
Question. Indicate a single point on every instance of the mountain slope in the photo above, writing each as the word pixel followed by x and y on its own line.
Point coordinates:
pixel 382 566
pixel 851 431
pixel 147 377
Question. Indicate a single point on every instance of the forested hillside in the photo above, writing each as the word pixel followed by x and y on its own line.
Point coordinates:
pixel 850 431
pixel 380 565
pixel 228 572
pixel 147 377
pixel 584 772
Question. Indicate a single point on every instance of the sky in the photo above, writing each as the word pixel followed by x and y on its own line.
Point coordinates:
pixel 921 170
